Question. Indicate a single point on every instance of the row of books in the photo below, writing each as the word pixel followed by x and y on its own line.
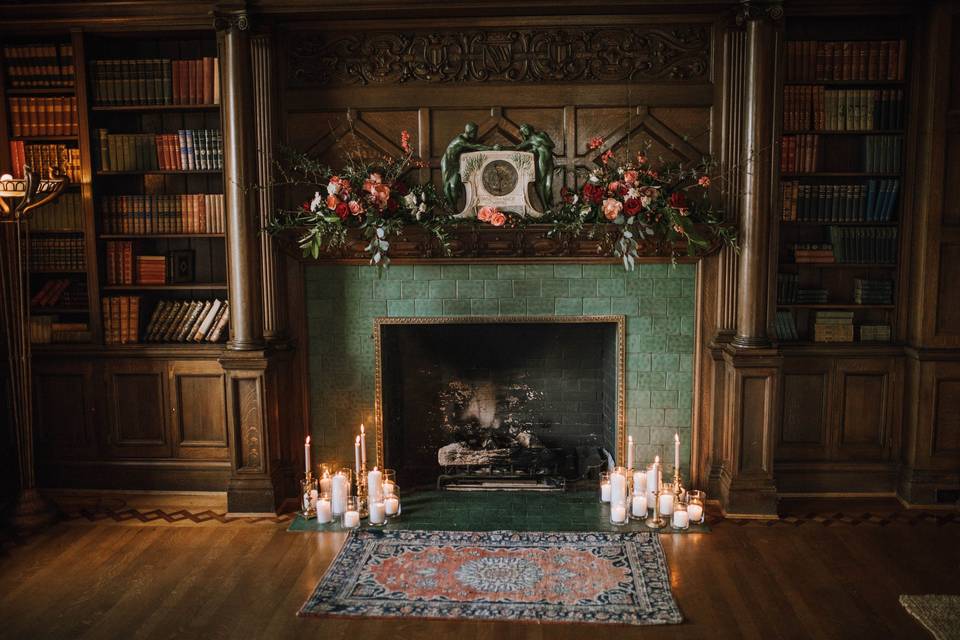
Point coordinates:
pixel 813 107
pixel 874 201
pixel 872 291
pixel 798 154
pixel 156 81
pixel 168 214
pixel 43 116
pixel 882 154
pixel 63 214
pixel 785 326
pixel 833 326
pixel 812 252
pixel 152 270
pixel 61 292
pixel 46 330
pixel 188 321
pixel 43 157
pixel 119 262
pixel 44 65
pixel 864 244
pixel 188 149
pixel 787 287
pixel 875 333
pixel 121 319
pixel 57 254
pixel 830 331
pixel 811 60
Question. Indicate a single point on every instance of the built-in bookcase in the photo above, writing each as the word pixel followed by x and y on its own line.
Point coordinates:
pixel 842 147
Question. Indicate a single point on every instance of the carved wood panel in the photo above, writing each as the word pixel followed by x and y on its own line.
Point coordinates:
pixel 136 394
pixel 199 410
pixel 63 408
pixel 865 408
pixel 803 419
pixel 592 54
pixel 946 417
pixel 248 416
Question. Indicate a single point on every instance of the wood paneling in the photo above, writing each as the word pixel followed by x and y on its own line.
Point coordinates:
pixel 805 408
pixel 137 409
pixel 948 311
pixel 755 398
pixel 946 417
pixel 64 407
pixel 865 408
pixel 199 410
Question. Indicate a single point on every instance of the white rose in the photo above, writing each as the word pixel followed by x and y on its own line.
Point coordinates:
pixel 317 201
pixel 410 200
pixel 594 178
pixel 333 188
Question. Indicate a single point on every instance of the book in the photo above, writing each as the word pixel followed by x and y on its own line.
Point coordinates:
pixel 155 81
pixel 41 65
pixel 809 60
pixel 166 214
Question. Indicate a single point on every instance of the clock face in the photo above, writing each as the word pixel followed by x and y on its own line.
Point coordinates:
pixel 499 178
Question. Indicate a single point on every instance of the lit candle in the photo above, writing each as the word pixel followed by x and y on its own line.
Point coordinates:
pixel 378 513
pixel 681 519
pixel 351 519
pixel 639 482
pixel 391 505
pixel 306 456
pixel 363 445
pixel 618 485
pixel 324 511
pixel 325 482
pixel 695 512
pixel 653 479
pixel 629 452
pixel 666 503
pixel 356 457
pixel 676 452
pixel 639 505
pixel 387 488
pixel 339 491
pixel 374 485
pixel 605 491
pixel 618 512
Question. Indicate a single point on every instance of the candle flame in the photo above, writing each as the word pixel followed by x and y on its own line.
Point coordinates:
pixel 362 432
pixel 357 441
pixel 656 459
pixel 308 439
pixel 676 437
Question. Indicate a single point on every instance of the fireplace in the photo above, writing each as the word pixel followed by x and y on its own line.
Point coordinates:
pixel 499 402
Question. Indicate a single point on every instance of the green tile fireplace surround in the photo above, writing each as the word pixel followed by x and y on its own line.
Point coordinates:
pixel 657 300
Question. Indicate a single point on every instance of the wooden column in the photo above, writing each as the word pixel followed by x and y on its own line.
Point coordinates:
pixel 745 478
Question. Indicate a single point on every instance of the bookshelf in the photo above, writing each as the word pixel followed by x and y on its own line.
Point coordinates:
pixel 842 133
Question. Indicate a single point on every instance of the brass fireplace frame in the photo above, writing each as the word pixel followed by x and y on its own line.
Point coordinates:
pixel 619 320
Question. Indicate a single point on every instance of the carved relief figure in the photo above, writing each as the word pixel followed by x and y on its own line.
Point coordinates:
pixel 450 163
pixel 541 146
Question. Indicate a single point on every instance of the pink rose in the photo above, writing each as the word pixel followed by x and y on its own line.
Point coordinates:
pixel 611 208
pixel 355 207
pixel 486 213
pixel 630 177
pixel 613 187
pixel 641 159
pixel 380 193
pixel 704 181
pixel 498 219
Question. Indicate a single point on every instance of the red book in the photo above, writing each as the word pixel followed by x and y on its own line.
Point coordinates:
pixel 175 81
pixel 191 81
pixel 208 80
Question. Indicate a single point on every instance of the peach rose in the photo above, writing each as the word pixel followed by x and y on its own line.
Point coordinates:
pixel 380 193
pixel 355 207
pixel 611 208
pixel 630 177
pixel 486 213
pixel 704 181
pixel 498 219
pixel 613 186
pixel 332 202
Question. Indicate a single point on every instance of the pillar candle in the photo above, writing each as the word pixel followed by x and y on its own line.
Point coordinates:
pixel 681 519
pixel 618 486
pixel 639 482
pixel 639 505
pixel 378 513
pixel 391 505
pixel 356 457
pixel 696 512
pixel 676 452
pixel 363 445
pixel 374 485
pixel 325 483
pixel 387 488
pixel 618 512
pixel 338 490
pixel 629 452
pixel 351 519
pixel 666 503
pixel 306 456
pixel 605 491
pixel 324 511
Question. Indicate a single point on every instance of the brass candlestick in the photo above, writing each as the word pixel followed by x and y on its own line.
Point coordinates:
pixel 362 491
pixel 655 521
pixel 678 489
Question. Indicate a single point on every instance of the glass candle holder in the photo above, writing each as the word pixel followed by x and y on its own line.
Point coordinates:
pixel 666 499
pixel 618 512
pixel 391 503
pixel 378 512
pixel 309 493
pixel 351 517
pixel 604 486
pixel 375 485
pixel 638 505
pixel 340 490
pixel 696 506
pixel 681 518
pixel 618 485
pixel 639 481
pixel 324 476
pixel 324 508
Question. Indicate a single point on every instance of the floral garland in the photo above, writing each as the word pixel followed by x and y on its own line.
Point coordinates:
pixel 670 202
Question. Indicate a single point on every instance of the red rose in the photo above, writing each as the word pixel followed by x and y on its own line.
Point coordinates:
pixel 400 188
pixel 566 195
pixel 593 193
pixel 305 206
pixel 342 211
pixel 678 199
pixel 632 206
pixel 391 205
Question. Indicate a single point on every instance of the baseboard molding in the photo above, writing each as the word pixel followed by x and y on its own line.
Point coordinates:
pixel 838 494
pixel 67 491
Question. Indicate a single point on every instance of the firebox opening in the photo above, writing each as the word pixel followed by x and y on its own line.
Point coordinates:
pixel 510 404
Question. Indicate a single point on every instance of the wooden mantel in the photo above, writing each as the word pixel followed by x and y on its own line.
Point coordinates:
pixel 471 243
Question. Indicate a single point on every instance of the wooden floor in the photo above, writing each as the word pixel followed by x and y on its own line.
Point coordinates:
pixel 809 580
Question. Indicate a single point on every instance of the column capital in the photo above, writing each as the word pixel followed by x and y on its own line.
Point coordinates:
pixel 759 10
pixel 228 16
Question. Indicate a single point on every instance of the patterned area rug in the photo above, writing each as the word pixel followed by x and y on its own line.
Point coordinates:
pixel 613 578
pixel 938 613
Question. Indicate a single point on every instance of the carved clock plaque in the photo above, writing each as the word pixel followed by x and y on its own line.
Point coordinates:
pixel 498 179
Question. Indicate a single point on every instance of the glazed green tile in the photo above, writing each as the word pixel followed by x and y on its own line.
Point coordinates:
pixel 414 289
pixel 611 287
pixel 651 306
pixel 687 325
pixel 498 289
pixel 540 306
pixel 650 379
pixel 638 398
pixel 582 287
pixel 676 417
pixel 636 286
pixel 511 271
pixel 596 306
pixel 666 325
pixel 567 271
pixel 427 272
pixel 455 272
pixel 534 271
pixel 364 272
pixel 569 306
pixel 655 270
pixel 665 362
pixel 664 399
pixel 429 308
pixel 638 361
pixel 373 307
pixel 526 288
pixel 358 289
pixel 469 288
pixel 683 270
pixel 668 288
pixel 456 307
pixel 686 362
pixel 680 344
pixel 652 342
pixel 483 272
pixel 623 306
pixel 677 307
pixel 397 272
pixel 386 289
pixel 651 418
pixel 401 308
pixel 443 289
pixel 483 307
pixel 597 270
pixel 679 380
pixel 556 288
pixel 513 306
pixel 638 324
